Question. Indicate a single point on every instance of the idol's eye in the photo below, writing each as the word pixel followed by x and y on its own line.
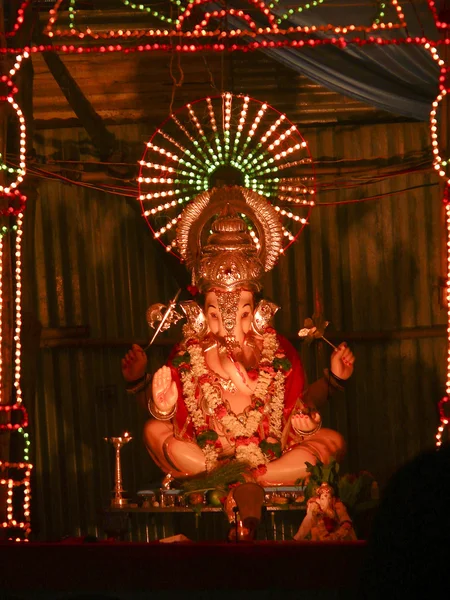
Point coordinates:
pixel 213 315
pixel 245 315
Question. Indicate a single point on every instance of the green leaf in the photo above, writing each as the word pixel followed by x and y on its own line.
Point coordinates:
pixel 182 359
pixel 268 447
pixel 206 436
pixel 282 364
pixel 220 477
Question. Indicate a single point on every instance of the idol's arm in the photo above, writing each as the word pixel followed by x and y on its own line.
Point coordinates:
pixel 341 368
pixel 317 394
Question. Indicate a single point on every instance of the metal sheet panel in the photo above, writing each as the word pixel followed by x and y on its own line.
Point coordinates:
pixel 141 87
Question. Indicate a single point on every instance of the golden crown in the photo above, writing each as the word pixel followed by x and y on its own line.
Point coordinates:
pixel 231 258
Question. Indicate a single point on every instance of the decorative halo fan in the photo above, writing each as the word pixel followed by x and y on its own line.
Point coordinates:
pixel 225 140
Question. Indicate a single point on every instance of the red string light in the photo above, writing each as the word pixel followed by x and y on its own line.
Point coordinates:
pixel 440 19
pixel 197 32
pixel 222 13
pixel 443 419
pixel 222 47
pixel 9 408
pixel 19 19
pixel 260 6
pixel 16 203
pixel 12 88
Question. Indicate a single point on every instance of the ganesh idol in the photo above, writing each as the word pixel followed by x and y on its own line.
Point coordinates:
pixel 234 389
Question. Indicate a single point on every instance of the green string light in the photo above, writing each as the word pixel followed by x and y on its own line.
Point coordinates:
pixel 380 14
pixel 299 9
pixel 27 444
pixel 150 10
pixel 5 230
pixel 10 170
pixel 72 13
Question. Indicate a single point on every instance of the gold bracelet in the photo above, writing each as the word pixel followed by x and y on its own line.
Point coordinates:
pixel 159 414
pixel 308 433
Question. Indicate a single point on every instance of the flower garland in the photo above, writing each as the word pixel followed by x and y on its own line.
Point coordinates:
pixel 203 399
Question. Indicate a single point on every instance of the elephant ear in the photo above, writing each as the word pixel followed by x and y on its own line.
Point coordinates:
pixel 196 320
pixel 263 315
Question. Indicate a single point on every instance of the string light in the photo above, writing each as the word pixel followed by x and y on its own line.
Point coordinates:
pixel 18 308
pixel 16 203
pixel 244 46
pixel 19 19
pixel 155 13
pixel 193 142
pixel 17 64
pixel 22 151
pixel 232 133
pixel 380 16
pixel 201 133
pixel 212 120
pixel 441 404
pixel 175 26
pixel 1 320
pixel 241 123
pixel 260 6
pixel 439 24
pixel 22 414
pixel 227 99
pixel 299 9
pixel 17 406
pixel 220 14
pixel 27 444
pixel 442 416
pixel 12 484
pixel 4 167
pixel 16 415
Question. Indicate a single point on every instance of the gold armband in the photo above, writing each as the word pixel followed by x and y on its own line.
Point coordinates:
pixel 134 387
pixel 333 381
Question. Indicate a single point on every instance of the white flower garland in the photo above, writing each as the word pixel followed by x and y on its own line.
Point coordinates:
pixel 249 423
pixel 276 406
pixel 211 456
pixel 251 454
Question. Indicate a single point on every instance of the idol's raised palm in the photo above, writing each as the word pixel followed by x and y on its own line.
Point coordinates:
pixel 164 390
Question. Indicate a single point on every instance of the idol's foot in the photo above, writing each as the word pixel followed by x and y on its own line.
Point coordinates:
pixel 249 499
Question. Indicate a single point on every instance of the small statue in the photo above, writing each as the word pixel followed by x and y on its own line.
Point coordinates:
pixel 166 482
pixel 326 518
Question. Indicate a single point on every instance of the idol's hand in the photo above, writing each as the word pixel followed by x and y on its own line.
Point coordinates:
pixel 164 389
pixel 225 360
pixel 134 363
pixel 342 361
pixel 236 371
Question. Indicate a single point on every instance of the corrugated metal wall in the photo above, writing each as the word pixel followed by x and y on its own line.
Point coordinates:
pixel 130 88
pixel 91 261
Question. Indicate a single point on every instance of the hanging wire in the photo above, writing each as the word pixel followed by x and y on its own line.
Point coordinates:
pixel 211 76
pixel 176 83
pixel 417 17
